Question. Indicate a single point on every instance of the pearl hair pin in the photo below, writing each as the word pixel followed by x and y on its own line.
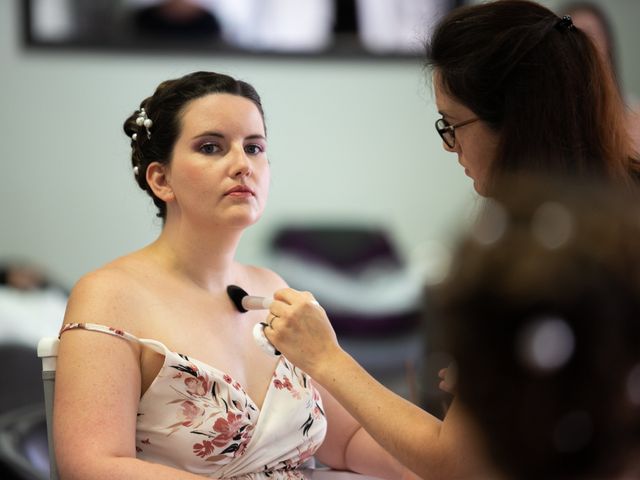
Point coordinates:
pixel 143 120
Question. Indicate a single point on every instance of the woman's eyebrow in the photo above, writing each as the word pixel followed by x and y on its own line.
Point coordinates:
pixel 210 134
pixel 255 136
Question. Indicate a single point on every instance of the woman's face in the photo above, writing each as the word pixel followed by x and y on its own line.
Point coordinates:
pixel 475 144
pixel 219 173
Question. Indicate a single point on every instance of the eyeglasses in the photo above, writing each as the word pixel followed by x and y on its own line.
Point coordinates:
pixel 448 132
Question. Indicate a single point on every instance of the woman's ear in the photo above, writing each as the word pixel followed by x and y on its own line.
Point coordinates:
pixel 159 179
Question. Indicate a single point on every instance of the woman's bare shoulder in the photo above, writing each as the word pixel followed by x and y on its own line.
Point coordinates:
pixel 114 281
pixel 109 295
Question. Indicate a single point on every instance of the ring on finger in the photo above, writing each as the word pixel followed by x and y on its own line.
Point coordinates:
pixel 273 317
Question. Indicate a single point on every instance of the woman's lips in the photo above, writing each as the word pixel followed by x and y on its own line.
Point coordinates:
pixel 240 191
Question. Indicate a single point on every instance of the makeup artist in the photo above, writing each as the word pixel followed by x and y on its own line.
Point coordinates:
pixel 519 90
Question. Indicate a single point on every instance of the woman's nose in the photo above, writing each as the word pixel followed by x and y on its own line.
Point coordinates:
pixel 241 165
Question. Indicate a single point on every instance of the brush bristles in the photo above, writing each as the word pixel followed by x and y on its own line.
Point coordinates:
pixel 236 294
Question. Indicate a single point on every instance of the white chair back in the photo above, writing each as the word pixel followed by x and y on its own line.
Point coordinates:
pixel 48 353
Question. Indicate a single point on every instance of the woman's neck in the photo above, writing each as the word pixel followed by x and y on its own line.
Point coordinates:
pixel 206 258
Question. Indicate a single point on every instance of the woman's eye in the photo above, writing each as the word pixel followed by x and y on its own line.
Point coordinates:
pixel 209 148
pixel 254 149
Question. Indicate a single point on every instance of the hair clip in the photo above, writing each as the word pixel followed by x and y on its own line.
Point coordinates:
pixel 565 24
pixel 143 120
pixel 136 170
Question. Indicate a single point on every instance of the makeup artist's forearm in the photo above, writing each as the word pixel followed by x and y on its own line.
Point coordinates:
pixel 419 440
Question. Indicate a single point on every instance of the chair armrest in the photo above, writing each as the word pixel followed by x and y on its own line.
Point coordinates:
pixel 48 352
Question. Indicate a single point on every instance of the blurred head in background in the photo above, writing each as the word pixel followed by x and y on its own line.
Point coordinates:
pixel 542 315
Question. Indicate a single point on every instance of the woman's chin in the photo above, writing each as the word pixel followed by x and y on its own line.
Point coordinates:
pixel 244 220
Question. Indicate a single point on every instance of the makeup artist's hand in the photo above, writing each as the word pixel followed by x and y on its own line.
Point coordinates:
pixel 298 326
pixel 447 377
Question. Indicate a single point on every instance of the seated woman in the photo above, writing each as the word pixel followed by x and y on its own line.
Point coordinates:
pixel 158 374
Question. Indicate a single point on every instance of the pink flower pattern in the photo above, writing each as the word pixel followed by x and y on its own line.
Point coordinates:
pixel 198 386
pixel 211 411
pixel 188 413
pixel 228 435
pixel 229 428
pixel 286 384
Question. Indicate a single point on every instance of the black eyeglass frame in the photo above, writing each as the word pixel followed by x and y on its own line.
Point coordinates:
pixel 443 128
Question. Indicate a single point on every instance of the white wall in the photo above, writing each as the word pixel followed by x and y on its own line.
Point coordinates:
pixel 349 140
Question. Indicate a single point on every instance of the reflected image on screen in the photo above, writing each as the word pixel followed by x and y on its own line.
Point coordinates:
pixel 386 28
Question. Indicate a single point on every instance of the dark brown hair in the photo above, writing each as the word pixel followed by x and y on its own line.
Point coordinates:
pixel 542 86
pixel 602 18
pixel 164 108
pixel 558 258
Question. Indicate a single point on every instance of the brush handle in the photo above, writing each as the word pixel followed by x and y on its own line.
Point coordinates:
pixel 252 302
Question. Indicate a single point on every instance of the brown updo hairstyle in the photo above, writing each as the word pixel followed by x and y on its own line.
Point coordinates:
pixel 164 108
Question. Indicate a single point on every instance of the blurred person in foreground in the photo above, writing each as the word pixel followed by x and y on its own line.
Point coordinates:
pixel 541 311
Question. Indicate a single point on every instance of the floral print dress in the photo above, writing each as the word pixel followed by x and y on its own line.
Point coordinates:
pixel 196 418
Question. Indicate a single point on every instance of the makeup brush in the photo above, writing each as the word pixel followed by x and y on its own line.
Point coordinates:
pixel 245 302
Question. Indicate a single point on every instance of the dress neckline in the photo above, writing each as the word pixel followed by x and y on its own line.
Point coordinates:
pixel 219 374
pixel 162 349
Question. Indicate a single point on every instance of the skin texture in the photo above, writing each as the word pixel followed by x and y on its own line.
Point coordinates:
pixel 174 290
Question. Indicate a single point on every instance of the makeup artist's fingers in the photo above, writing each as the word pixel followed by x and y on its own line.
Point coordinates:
pixel 301 331
pixel 294 303
pixel 447 379
pixel 291 296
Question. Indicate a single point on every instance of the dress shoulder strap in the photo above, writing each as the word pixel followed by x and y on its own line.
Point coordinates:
pixel 94 327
